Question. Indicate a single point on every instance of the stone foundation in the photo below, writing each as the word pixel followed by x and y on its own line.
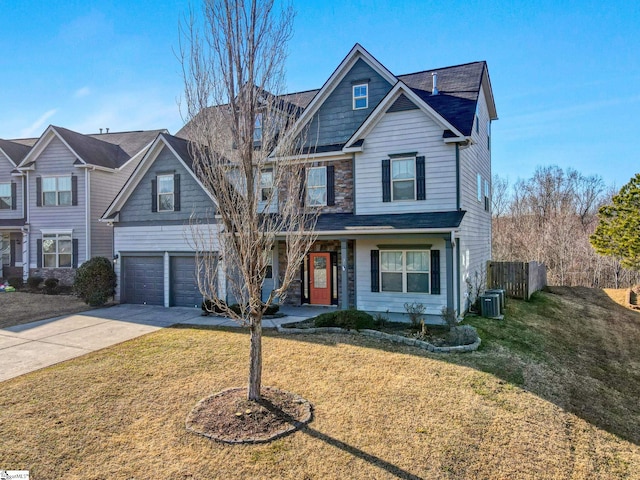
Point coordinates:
pixel 65 275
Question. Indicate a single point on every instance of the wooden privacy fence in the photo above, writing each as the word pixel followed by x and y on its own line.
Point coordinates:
pixel 518 279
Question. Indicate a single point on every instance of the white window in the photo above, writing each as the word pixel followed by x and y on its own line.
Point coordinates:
pixel 317 186
pixel 405 271
pixel 266 185
pixel 479 187
pixel 257 128
pixel 360 96
pixel 403 179
pixel 56 250
pixel 5 196
pixel 165 193
pixel 56 191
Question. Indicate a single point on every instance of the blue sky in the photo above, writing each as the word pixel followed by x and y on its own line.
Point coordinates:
pixel 565 74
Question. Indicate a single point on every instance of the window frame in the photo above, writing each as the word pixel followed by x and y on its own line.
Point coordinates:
pixel 355 97
pixel 487 195
pixel 258 128
pixel 479 187
pixel 404 271
pixel 6 199
pixel 57 237
pixel 266 186
pixel 57 190
pixel 172 193
pixel 414 179
pixel 316 187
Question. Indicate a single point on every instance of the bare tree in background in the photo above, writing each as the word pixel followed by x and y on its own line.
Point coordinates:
pixel 245 154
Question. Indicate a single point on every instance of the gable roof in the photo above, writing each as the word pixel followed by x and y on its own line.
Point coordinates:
pixel 108 150
pixel 181 150
pixel 14 151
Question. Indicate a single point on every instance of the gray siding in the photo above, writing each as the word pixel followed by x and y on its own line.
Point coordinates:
pixel 336 120
pixel 193 199
pixel 5 177
pixel 57 159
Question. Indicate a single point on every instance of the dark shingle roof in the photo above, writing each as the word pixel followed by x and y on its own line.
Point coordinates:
pixel 12 222
pixel 401 221
pixel 181 146
pixel 16 151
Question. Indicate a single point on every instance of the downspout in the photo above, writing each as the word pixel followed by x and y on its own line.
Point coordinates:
pixel 87 192
pixel 457 176
pixel 456 283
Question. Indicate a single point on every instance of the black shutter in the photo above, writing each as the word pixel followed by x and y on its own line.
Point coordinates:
pixel 435 272
pixel 331 190
pixel 154 196
pixel 303 182
pixel 421 190
pixel 74 257
pixel 176 192
pixel 375 270
pixel 74 190
pixel 39 252
pixel 14 196
pixel 386 180
pixel 12 255
pixel 38 191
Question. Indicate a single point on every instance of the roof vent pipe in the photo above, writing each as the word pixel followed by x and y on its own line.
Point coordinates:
pixel 100 130
pixel 434 90
pixel 107 129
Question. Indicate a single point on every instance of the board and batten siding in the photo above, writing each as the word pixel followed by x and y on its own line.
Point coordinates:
pixel 475 236
pixel 394 301
pixel 6 168
pixel 336 120
pixel 57 160
pixel 193 199
pixel 404 132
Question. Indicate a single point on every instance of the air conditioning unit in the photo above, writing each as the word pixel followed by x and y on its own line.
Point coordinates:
pixel 503 296
pixel 490 305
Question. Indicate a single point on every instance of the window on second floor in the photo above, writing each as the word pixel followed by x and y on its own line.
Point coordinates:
pixel 487 196
pixel 56 191
pixel 479 187
pixel 360 96
pixel 57 250
pixel 403 179
pixel 317 186
pixel 257 128
pixel 165 193
pixel 5 196
pixel 266 185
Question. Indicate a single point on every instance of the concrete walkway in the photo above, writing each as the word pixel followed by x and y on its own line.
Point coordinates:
pixel 28 347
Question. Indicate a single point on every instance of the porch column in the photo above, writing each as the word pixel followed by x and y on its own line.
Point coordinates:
pixel 344 288
pixel 450 273
pixel 25 255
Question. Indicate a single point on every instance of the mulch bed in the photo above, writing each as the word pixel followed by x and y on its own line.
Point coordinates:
pixel 229 417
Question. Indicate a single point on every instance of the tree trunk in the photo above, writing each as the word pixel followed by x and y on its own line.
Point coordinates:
pixel 255 359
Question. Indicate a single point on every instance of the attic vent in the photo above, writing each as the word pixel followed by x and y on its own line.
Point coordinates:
pixel 402 104
pixel 434 90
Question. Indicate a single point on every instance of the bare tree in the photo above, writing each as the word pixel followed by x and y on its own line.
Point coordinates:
pixel 245 154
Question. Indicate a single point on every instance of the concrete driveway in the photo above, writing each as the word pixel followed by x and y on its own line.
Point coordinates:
pixel 29 347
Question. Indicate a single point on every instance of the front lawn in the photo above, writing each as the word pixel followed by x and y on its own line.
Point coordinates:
pixel 17 308
pixel 528 404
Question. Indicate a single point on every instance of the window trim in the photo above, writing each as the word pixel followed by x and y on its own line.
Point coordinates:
pixel 172 193
pixel 404 270
pixel 57 191
pixel 316 187
pixel 479 188
pixel 414 179
pixel 258 126
pixel 8 198
pixel 68 237
pixel 360 97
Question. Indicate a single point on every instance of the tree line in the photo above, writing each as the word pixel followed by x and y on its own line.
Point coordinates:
pixel 551 218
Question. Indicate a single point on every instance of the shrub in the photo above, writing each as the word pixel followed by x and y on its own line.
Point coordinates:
pixel 16 282
pixel 415 311
pixel 271 310
pixel 450 317
pixel 51 286
pixel 34 281
pixel 209 306
pixel 462 335
pixel 95 281
pixel 349 319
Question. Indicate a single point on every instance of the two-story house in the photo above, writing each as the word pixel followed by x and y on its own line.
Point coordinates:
pixel 400 167
pixel 60 185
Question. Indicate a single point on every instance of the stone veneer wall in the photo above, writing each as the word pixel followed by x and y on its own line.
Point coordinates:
pixel 294 293
pixel 65 275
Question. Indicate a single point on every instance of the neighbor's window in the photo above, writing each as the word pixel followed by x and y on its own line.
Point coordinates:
pixel 403 179
pixel 317 186
pixel 5 196
pixel 165 193
pixel 488 134
pixel 257 128
pixel 56 250
pixel 56 191
pixel 266 185
pixel 487 196
pixel 405 271
pixel 360 96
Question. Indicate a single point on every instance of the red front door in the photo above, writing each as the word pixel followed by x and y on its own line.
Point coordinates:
pixel 319 279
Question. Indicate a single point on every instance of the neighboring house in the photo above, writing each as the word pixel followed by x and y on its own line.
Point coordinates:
pixel 400 167
pixel 64 182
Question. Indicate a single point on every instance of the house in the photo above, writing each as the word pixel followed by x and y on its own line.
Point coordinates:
pixel 61 184
pixel 400 168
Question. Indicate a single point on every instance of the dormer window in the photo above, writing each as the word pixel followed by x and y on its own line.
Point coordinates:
pixel 360 96
pixel 165 193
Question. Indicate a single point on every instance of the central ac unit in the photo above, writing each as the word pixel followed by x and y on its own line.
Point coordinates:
pixel 490 305
pixel 503 296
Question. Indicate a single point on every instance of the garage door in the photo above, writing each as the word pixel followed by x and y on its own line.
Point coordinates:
pixel 143 280
pixel 184 286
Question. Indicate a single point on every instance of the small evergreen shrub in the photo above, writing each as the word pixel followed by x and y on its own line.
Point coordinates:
pixel 95 281
pixel 16 282
pixel 349 319
pixel 51 286
pixel 34 281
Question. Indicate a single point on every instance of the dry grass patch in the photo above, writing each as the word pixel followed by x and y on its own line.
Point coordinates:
pixel 380 411
pixel 20 307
